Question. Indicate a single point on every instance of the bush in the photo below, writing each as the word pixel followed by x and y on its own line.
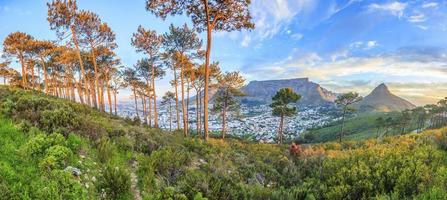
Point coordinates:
pixel 73 142
pixel 37 145
pixel 55 157
pixel 114 182
pixel 62 120
pixel 106 150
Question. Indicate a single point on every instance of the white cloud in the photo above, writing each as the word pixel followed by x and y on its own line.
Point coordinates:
pixel 364 45
pixel 395 8
pixel 374 70
pixel 430 5
pixel 272 15
pixel 246 41
pixel 422 27
pixel 296 36
pixel 417 18
pixel 371 44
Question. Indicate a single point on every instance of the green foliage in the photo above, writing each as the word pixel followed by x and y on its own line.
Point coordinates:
pixel 282 101
pixel 60 119
pixel 73 142
pixel 168 166
pixel 105 150
pixel 55 157
pixel 114 183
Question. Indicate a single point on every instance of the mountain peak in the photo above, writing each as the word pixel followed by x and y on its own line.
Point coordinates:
pixel 381 89
pixel 381 99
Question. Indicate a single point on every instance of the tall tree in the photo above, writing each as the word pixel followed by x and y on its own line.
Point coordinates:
pixel 43 49
pixel 284 105
pixel 380 123
pixel 209 16
pixel 94 34
pixel 182 43
pixel 131 79
pixel 149 42
pixel 229 86
pixel 5 71
pixel 345 102
pixel 17 44
pixel 62 16
pixel 117 83
pixel 167 100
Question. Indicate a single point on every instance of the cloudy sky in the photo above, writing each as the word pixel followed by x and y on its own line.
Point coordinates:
pixel 345 45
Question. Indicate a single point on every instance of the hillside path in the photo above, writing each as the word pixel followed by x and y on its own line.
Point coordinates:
pixel 134 181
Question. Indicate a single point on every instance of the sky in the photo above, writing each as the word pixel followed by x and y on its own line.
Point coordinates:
pixel 344 45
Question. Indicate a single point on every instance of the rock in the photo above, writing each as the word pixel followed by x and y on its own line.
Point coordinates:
pixel 260 178
pixel 73 170
pixel 261 92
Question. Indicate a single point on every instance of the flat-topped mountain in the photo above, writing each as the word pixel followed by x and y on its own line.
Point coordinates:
pixel 382 100
pixel 261 92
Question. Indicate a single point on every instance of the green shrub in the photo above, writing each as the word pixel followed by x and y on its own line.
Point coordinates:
pixel 37 145
pixel 73 142
pixel 62 120
pixel 56 157
pixel 115 182
pixel 59 185
pixel 106 150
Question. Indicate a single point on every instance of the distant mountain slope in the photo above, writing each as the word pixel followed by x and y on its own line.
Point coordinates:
pixel 261 92
pixel 382 100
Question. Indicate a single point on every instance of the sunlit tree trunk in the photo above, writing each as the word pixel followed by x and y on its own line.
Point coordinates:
pixel 182 83
pixel 24 73
pixel 136 103
pixel 207 71
pixel 176 99
pixel 81 63
pixel 115 102
pixel 96 99
pixel 109 98
pixel 154 98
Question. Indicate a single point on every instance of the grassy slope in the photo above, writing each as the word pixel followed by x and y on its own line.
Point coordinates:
pixel 171 166
pixel 360 127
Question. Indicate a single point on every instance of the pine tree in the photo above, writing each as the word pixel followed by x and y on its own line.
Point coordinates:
pixel 282 106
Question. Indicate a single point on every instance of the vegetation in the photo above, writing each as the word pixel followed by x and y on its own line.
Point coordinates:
pixel 57 140
pixel 38 164
pixel 345 102
pixel 282 107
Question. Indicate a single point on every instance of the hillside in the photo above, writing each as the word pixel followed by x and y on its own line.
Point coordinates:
pixel 261 92
pixel 382 100
pixel 360 127
pixel 56 149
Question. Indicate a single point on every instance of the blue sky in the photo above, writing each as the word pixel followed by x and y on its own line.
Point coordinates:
pixel 345 45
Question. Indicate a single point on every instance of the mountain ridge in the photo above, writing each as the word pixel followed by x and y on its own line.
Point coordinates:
pixel 383 100
pixel 261 92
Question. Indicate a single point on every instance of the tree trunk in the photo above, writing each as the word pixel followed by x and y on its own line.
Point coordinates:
pixel 109 98
pixel 143 102
pixel 207 77
pixel 96 99
pixel 342 124
pixel 281 125
pixel 185 127
pixel 24 74
pixel 197 114
pixel 136 103
pixel 170 116
pixel 154 98
pixel 187 104
pixel 81 64
pixel 176 100
pixel 33 82
pixel 115 103
pixel 224 116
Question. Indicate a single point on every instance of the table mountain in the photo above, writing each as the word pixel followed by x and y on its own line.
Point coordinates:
pixel 261 92
pixel 382 100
